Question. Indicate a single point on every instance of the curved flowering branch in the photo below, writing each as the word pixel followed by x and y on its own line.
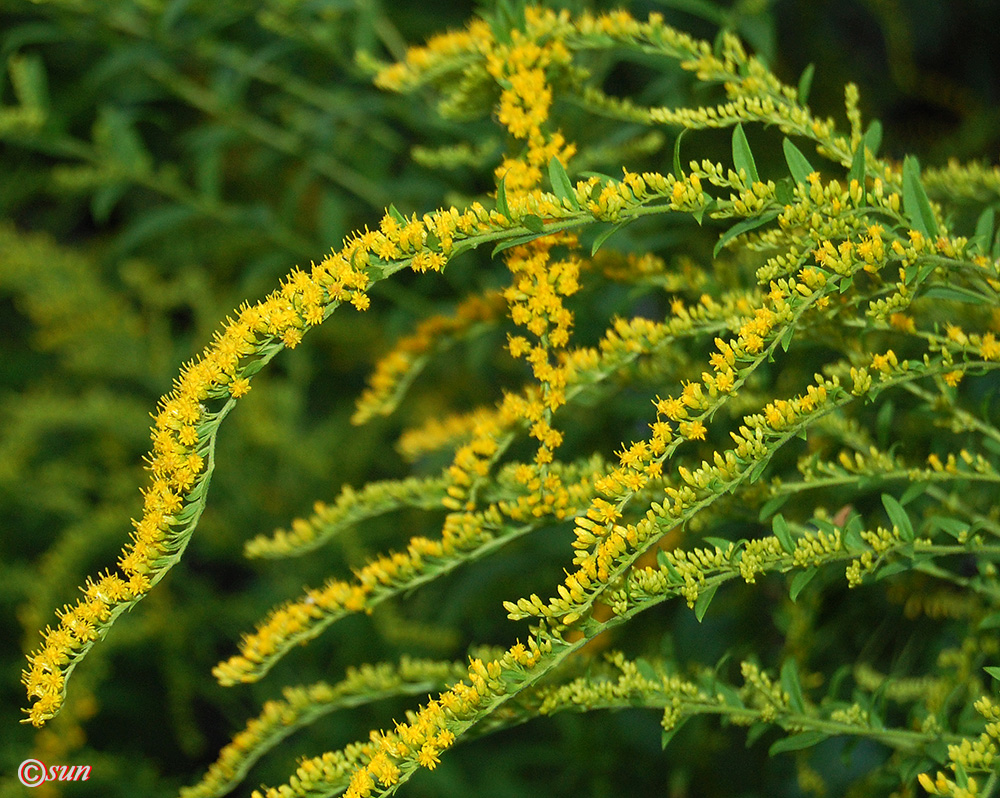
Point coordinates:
pixel 862 266
pixel 301 706
pixel 188 418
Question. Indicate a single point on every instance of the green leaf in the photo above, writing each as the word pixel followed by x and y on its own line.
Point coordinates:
pixel 31 85
pixel 984 230
pixel 700 8
pixel 898 517
pixel 955 293
pixel 799 581
pixel 533 223
pixel 891 569
pixel 502 206
pixel 790 684
pixel 772 505
pixel 915 202
pixel 786 337
pixel 116 137
pixel 797 742
pixel 883 421
pixel 105 198
pixel 646 670
pixel 991 621
pixel 709 206
pixel 395 214
pixel 798 165
pixel 561 185
pixel 784 191
pixel 154 224
pixel 722 544
pixel 678 172
pixel 950 526
pixel 742 157
pixel 873 137
pixel 668 734
pixel 783 534
pixel 857 171
pixel 994 672
pixel 852 540
pixel 603 178
pixel 913 491
pixel 805 83
pixel 937 750
pixel 605 235
pixel 961 777
pixel 514 242
pixel 512 677
pixel 702 602
pixel 743 227
pixel 759 469
pixel 664 562
pixel 756 731
pixel 729 695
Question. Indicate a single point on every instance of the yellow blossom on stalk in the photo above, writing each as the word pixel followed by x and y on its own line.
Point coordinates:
pixel 811 290
pixel 177 460
pixel 989 348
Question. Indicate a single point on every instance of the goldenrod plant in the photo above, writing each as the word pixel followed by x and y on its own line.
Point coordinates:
pixel 736 467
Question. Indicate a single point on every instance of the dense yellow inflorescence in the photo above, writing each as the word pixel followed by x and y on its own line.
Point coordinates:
pixel 832 247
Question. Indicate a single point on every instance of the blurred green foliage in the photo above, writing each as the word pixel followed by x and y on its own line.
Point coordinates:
pixel 162 162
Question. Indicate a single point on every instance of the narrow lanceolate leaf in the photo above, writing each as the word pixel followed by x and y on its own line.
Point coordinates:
pixel 502 206
pixel 783 534
pixel 915 202
pixel 798 165
pixel 873 137
pixel 799 582
pixel 797 742
pixel 395 214
pixel 561 185
pixel 853 542
pixel 857 171
pixel 702 602
pixel 805 83
pixel 668 734
pixel 605 235
pixel 772 505
pixel 984 230
pixel 790 684
pixel 899 517
pixel 678 172
pixel 515 242
pixel 742 156
pixel 533 223
pixel 744 227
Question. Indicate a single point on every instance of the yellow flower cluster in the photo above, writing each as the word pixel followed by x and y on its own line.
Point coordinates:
pixel 304 619
pixel 433 729
pixel 179 463
pixel 300 705
pixel 535 301
pixel 762 693
pixel 970 755
pixel 350 507
pixel 437 433
pixel 394 369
